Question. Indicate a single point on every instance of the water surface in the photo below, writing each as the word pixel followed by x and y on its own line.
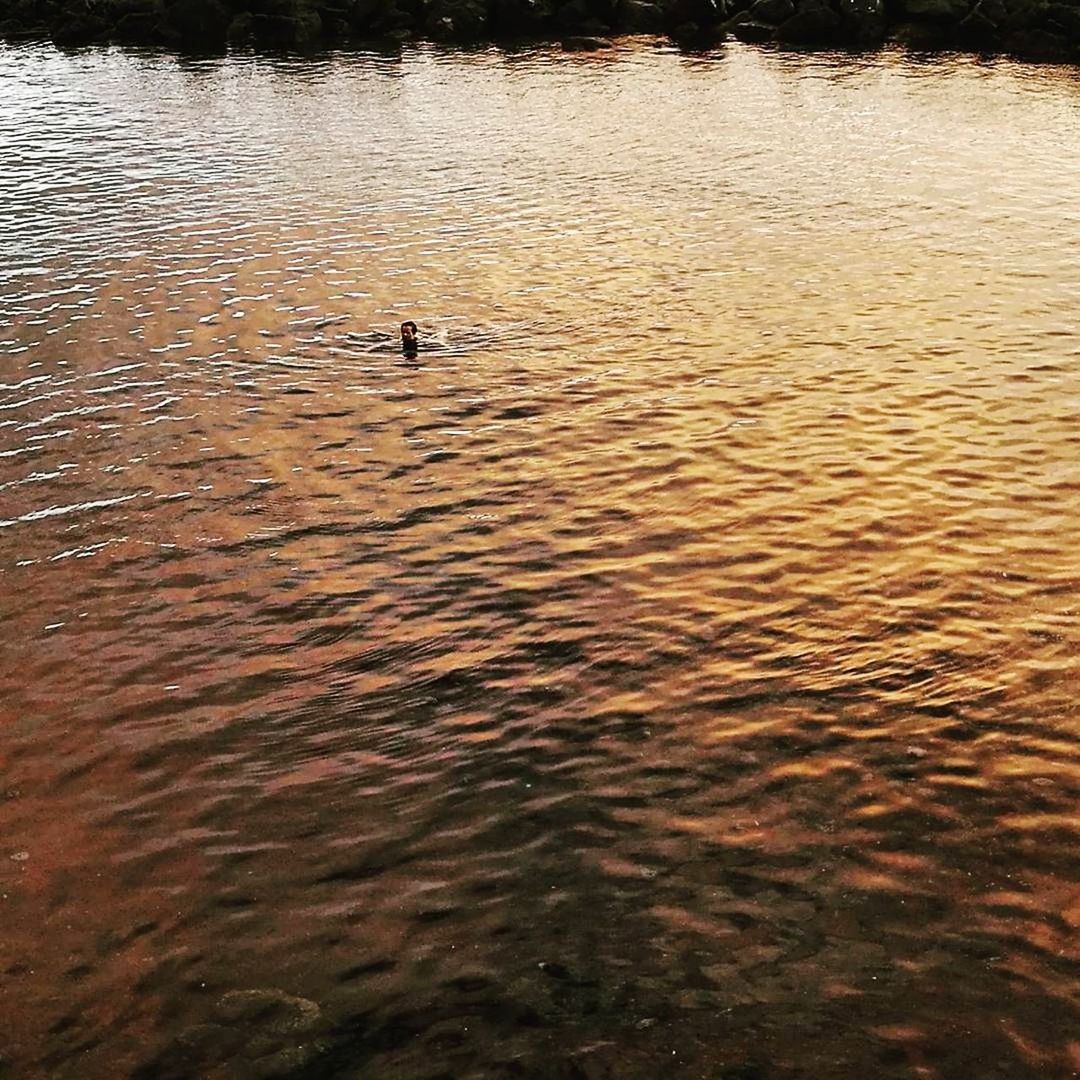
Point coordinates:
pixel 669 671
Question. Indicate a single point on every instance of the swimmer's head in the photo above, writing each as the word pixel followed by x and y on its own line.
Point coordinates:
pixel 408 333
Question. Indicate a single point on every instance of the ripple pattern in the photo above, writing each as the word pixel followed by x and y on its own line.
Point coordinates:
pixel 670 670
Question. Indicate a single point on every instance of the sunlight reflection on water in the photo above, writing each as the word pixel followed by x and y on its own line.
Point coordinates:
pixel 672 663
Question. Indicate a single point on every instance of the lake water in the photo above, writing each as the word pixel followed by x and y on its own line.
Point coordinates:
pixel 670 671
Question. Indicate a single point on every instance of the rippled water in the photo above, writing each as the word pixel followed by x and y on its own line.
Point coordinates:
pixel 670 671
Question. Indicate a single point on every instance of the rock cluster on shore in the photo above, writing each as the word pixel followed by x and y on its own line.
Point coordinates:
pixel 1033 29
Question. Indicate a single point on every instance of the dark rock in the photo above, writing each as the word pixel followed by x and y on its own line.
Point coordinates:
pixel 943 11
pixel 1065 19
pixel 921 37
pixel 79 29
pixel 771 11
pixel 391 22
pixel 1022 14
pixel 694 18
pixel 640 17
pixel 753 33
pixel 814 23
pixel 286 25
pixel 333 28
pixel 455 19
pixel 687 35
pixel 137 20
pixel 241 30
pixel 976 31
pixel 992 10
pixel 195 21
pixel 864 21
pixel 78 23
pixel 1033 29
pixel 585 18
pixel 1036 44
pixel 690 37
pixel 518 18
pixel 140 26
pixel 25 17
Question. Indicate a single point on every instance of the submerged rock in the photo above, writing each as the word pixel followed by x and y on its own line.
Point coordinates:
pixel 256 1034
pixel 268 1010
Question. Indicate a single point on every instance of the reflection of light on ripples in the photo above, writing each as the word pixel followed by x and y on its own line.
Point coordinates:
pixel 676 652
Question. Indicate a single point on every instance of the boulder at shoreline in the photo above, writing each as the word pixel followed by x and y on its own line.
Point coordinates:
pixel 1030 29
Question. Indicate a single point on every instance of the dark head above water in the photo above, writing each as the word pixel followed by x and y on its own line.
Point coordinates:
pixel 408 335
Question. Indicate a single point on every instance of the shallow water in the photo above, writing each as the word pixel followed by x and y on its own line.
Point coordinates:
pixel 669 671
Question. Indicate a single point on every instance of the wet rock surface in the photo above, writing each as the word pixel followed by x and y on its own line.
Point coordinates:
pixel 1031 29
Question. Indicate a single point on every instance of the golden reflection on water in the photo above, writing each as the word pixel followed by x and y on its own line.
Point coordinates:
pixel 672 663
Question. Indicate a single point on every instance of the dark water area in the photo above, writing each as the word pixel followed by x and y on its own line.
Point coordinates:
pixel 669 671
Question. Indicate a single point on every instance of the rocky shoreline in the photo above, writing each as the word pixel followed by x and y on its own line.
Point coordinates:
pixel 1045 30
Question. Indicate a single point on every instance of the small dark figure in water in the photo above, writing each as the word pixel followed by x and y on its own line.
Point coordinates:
pixel 408 338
